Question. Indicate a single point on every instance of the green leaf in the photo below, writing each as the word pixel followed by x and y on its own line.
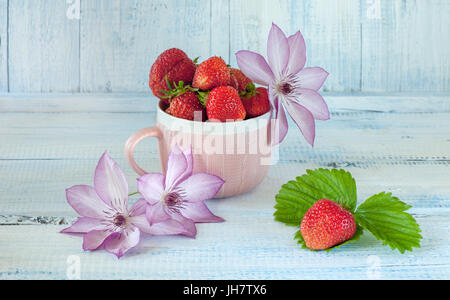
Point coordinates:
pixel 168 83
pixel 385 217
pixel 203 97
pixel 356 237
pixel 296 197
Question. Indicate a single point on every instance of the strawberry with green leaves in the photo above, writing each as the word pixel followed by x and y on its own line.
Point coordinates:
pixel 224 104
pixel 211 73
pixel 329 224
pixel 173 64
pixel 184 102
pixel 255 100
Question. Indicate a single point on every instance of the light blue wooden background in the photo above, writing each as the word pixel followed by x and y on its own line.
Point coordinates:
pixel 402 47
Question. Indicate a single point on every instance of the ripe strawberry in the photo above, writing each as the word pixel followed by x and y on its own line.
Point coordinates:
pixel 224 104
pixel 327 224
pixel 186 106
pixel 211 73
pixel 256 101
pixel 238 80
pixel 184 102
pixel 172 64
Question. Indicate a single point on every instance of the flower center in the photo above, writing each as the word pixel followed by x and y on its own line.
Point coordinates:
pixel 285 88
pixel 119 220
pixel 174 200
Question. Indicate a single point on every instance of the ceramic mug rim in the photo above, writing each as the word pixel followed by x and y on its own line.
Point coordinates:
pixel 219 128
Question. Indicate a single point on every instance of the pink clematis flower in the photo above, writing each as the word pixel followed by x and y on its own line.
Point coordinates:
pixel 179 196
pixel 290 84
pixel 106 221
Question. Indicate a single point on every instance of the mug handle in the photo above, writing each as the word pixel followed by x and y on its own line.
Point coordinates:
pixel 134 140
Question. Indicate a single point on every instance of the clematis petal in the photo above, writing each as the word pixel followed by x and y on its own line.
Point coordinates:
pixel 139 208
pixel 169 227
pixel 189 226
pixel 297 57
pixel 304 120
pixel 140 222
pixel 176 166
pixel 200 213
pixel 86 202
pixel 190 163
pixel 85 225
pixel 279 125
pixel 156 213
pixel 277 50
pixel 120 243
pixel 151 186
pixel 94 239
pixel 315 103
pixel 110 183
pixel 201 187
pixel 255 67
pixel 312 78
pixel 189 166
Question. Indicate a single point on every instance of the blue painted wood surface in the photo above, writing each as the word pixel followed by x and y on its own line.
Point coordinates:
pixel 398 144
pixel 3 46
pixel 366 45
pixel 43 47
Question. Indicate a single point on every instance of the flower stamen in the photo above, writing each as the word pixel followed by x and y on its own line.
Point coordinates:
pixel 119 220
pixel 174 200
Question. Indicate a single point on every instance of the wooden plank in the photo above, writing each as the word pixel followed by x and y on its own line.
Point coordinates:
pixel 332 33
pixel 264 250
pixel 220 29
pixel 401 51
pixel 43 47
pixel 369 136
pixel 404 49
pixel 122 39
pixel 70 103
pixel 4 46
pixel 338 103
pixel 37 187
pixel 250 23
pixel 331 29
pixel 399 155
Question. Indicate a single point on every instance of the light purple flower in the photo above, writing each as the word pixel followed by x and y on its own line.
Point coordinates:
pixel 179 196
pixel 106 222
pixel 290 84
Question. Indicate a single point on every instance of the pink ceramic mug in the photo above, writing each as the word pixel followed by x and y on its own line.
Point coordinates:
pixel 238 152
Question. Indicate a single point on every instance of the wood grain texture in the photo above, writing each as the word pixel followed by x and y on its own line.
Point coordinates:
pixel 264 250
pixel 380 140
pixel 143 103
pixel 250 22
pixel 403 150
pixel 332 32
pixel 131 34
pixel 43 47
pixel 4 46
pixel 402 48
pixel 220 29
pixel 406 48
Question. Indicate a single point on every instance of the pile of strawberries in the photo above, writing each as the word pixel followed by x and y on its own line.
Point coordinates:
pixel 213 89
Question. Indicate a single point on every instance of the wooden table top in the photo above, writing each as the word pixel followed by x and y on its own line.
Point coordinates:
pixel 392 143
